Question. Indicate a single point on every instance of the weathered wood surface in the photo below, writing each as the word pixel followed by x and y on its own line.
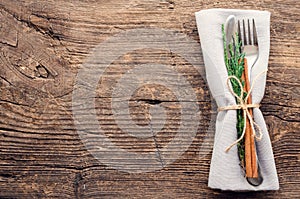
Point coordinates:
pixel 43 45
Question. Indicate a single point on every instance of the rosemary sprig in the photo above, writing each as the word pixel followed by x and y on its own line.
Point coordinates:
pixel 235 66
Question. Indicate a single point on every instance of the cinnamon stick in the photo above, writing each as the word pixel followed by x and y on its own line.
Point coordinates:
pixel 249 132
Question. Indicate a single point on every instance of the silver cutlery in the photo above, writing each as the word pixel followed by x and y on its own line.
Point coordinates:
pixel 230 31
pixel 249 41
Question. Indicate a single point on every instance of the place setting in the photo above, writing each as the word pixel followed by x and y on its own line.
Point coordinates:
pixel 235 46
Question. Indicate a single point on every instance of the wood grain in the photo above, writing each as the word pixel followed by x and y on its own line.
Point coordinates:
pixel 43 45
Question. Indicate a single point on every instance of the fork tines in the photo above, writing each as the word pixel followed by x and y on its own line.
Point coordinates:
pixel 251 37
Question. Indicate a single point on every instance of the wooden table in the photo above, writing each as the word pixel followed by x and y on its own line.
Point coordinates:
pixel 44 44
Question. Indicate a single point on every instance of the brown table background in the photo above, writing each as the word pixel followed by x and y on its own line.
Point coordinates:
pixel 44 43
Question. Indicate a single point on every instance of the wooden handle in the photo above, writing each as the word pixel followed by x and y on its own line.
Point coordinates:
pixel 250 151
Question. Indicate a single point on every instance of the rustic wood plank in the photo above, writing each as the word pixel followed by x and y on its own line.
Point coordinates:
pixel 43 45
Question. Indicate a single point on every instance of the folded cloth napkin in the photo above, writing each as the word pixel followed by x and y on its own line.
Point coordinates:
pixel 225 171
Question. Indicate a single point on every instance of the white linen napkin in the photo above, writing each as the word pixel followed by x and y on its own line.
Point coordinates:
pixel 225 171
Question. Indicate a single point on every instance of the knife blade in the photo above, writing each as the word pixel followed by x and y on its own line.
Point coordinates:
pixel 230 30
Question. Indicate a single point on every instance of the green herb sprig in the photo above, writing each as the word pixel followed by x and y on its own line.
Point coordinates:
pixel 235 66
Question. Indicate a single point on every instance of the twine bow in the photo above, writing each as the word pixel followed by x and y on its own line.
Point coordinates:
pixel 243 105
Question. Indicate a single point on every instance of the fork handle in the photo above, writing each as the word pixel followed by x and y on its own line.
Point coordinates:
pixel 250 151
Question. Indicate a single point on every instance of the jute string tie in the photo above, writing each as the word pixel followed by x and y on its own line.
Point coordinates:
pixel 243 105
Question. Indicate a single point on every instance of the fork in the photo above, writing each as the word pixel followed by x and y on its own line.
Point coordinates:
pixel 249 43
pixel 249 46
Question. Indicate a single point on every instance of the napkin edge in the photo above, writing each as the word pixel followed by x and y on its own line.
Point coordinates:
pixel 231 10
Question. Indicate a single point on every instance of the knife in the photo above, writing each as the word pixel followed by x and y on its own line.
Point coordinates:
pixel 230 30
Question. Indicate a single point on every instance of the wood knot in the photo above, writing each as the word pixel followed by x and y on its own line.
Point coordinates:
pixel 41 71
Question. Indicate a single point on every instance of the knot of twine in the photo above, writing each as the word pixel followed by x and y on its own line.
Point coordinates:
pixel 243 105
